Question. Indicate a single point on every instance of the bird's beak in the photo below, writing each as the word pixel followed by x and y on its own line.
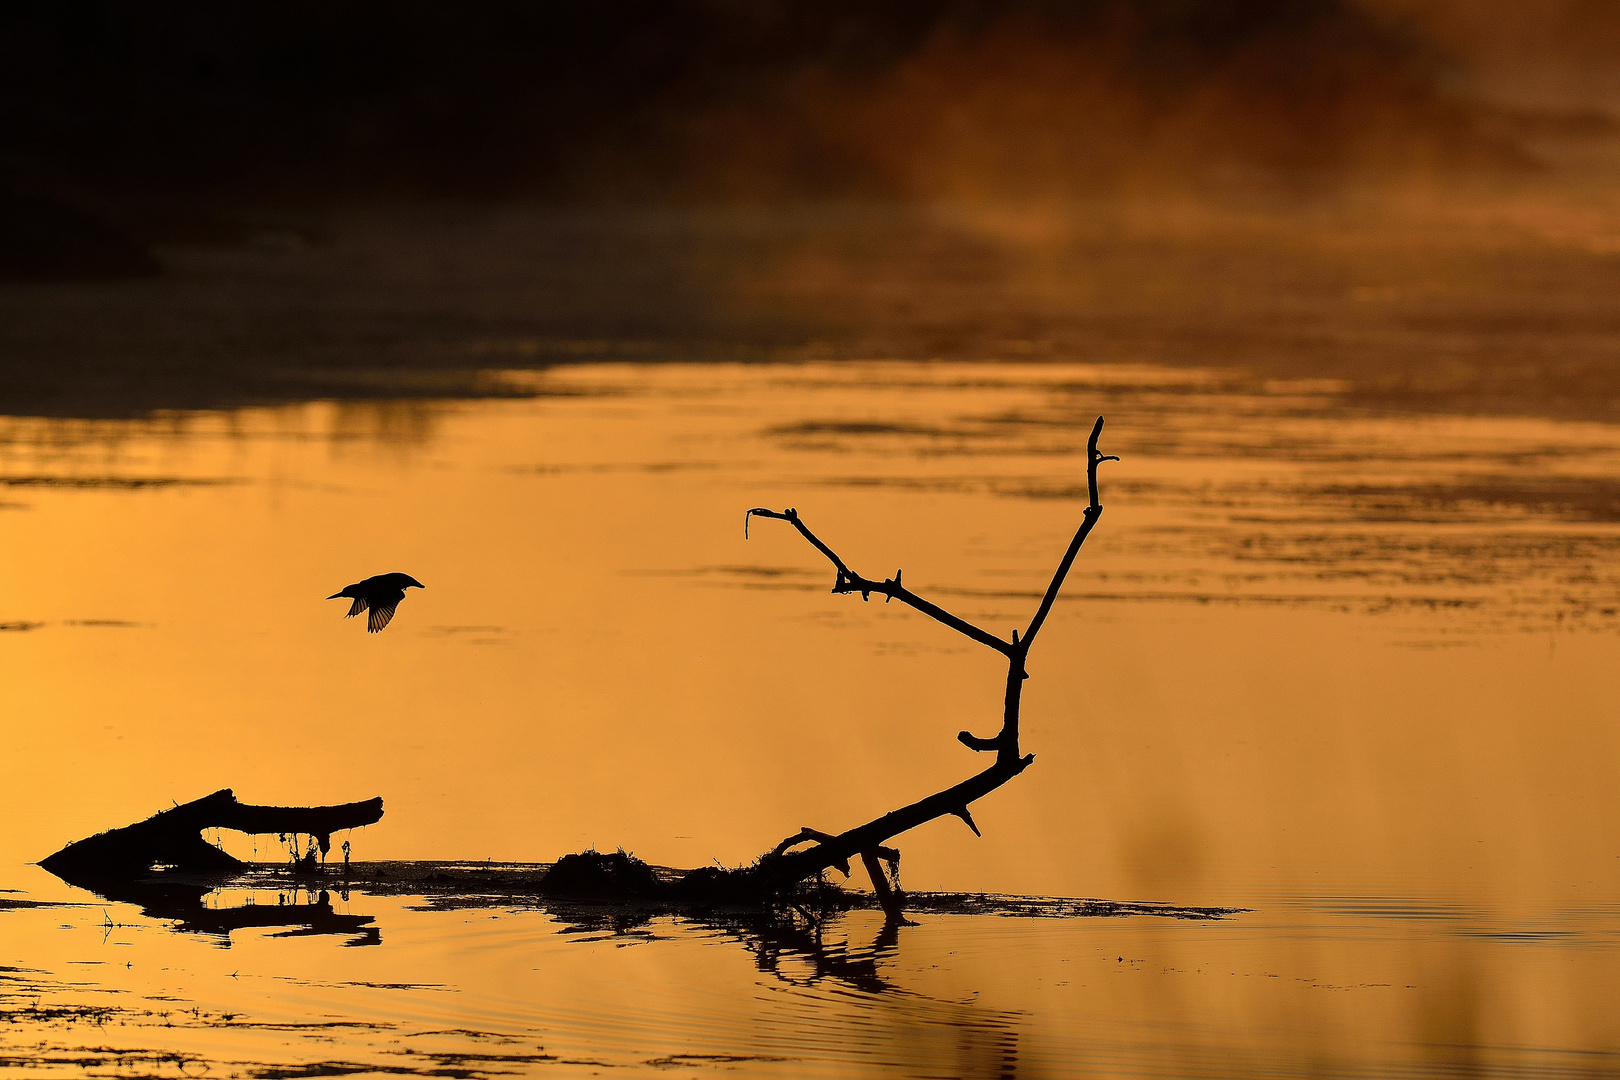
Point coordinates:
pixel 335 596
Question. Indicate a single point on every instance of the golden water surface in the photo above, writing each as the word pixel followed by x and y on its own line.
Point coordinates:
pixel 1350 670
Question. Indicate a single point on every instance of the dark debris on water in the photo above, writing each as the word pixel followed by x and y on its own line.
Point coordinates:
pixel 620 880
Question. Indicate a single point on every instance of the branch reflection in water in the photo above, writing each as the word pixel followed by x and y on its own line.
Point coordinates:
pixel 184 904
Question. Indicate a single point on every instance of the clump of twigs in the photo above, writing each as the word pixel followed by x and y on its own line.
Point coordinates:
pixel 621 878
pixel 593 875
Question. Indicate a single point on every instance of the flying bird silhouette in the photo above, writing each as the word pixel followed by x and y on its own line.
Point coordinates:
pixel 381 594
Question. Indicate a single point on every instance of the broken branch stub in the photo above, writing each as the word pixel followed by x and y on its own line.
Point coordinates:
pixel 174 836
pixel 786 866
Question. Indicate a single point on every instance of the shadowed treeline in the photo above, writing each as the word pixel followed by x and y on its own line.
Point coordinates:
pixel 118 105
pixel 359 200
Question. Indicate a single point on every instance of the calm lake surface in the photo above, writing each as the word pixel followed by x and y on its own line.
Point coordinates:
pixel 1348 669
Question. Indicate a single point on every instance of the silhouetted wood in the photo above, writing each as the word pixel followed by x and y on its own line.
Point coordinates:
pixel 174 836
pixel 784 865
pixel 886 894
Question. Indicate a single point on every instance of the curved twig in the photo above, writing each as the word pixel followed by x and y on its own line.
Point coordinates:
pixel 848 581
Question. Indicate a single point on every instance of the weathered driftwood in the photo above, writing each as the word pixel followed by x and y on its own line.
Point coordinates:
pixel 173 838
pixel 784 865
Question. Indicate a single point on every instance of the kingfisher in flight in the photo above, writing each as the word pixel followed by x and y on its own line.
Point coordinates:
pixel 381 594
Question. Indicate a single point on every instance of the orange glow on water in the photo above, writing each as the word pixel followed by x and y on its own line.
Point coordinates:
pixel 1338 669
pixel 1296 669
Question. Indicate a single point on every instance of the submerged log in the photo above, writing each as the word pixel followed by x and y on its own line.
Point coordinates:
pixel 173 838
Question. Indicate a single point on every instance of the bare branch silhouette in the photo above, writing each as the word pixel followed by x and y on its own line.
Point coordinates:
pixel 786 865
pixel 891 589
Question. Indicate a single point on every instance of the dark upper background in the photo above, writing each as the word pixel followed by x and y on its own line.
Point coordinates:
pixel 668 154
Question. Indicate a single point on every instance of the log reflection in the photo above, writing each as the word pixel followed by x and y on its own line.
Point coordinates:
pixel 181 900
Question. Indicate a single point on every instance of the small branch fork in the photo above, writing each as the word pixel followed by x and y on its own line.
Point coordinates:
pixel 866 840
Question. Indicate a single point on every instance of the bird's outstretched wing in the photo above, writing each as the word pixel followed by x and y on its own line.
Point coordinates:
pixel 357 607
pixel 380 614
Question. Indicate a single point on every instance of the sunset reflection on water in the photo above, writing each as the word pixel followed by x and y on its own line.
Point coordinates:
pixel 1346 668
